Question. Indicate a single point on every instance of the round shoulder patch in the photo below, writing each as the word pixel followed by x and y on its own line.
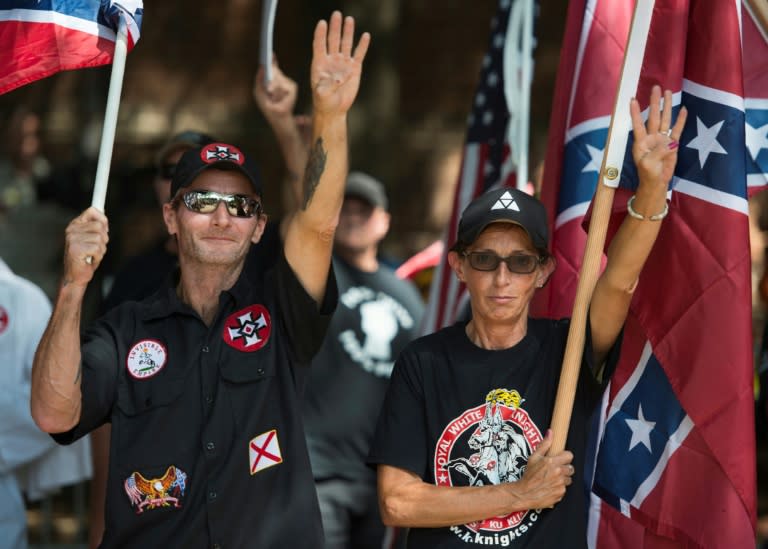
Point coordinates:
pixel 249 329
pixel 221 152
pixel 146 358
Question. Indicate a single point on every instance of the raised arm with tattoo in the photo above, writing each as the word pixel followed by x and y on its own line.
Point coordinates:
pixel 335 79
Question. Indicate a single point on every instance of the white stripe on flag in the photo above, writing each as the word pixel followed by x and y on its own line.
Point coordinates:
pixel 757 179
pixel 599 123
pixel 755 103
pixel 631 383
pixel 716 96
pixel 54 17
pixel 674 442
pixel 708 194
pixel 569 214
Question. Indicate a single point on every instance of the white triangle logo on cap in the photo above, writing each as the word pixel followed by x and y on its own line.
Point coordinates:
pixel 506 202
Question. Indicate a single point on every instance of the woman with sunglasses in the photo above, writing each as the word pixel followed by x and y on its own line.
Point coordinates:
pixel 462 443
pixel 202 381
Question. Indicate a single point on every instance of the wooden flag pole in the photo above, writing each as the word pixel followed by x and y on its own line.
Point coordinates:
pixel 110 116
pixel 610 174
pixel 760 10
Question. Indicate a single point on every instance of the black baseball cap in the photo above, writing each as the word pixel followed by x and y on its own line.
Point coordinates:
pixel 187 139
pixel 370 189
pixel 504 205
pixel 214 155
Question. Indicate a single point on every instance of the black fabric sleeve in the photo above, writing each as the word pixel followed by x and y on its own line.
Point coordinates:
pixel 303 321
pixel 401 432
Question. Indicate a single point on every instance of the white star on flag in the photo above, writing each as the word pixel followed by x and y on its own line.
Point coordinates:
pixel 757 139
pixel 706 141
pixel 641 430
pixel 595 160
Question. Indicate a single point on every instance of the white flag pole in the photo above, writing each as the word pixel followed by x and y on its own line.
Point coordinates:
pixel 518 67
pixel 110 117
pixel 268 10
pixel 602 203
pixel 526 71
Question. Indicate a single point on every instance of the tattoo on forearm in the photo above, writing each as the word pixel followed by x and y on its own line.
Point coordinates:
pixel 79 373
pixel 315 168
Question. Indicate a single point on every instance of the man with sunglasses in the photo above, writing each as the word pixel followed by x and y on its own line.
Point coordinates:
pixel 462 442
pixel 202 382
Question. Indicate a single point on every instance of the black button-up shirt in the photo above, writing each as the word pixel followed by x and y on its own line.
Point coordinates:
pixel 207 445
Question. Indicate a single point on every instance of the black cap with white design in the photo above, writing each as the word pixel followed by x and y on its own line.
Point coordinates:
pixel 504 205
pixel 214 155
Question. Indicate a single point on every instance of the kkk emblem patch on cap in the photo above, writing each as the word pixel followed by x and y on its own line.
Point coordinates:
pixel 248 330
pixel 221 152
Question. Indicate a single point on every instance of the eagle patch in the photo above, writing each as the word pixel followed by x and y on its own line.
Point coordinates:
pixel 165 491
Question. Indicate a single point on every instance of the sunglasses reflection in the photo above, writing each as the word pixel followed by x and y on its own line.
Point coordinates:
pixel 206 202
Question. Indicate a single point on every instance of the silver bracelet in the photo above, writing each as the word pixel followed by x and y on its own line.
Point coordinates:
pixel 657 217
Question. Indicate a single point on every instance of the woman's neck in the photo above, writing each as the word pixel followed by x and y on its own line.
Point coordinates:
pixel 495 337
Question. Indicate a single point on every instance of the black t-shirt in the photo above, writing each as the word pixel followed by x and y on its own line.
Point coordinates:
pixel 207 444
pixel 459 415
pixel 377 315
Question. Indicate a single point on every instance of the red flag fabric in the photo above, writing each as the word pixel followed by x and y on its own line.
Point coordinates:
pixel 47 36
pixel 755 39
pixel 675 464
pixel 588 75
pixel 485 164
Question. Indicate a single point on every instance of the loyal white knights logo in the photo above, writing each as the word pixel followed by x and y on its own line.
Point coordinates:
pixel 506 202
pixel 264 451
pixel 485 445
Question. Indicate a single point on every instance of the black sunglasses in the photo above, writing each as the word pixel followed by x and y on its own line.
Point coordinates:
pixel 206 202
pixel 516 263
pixel 166 171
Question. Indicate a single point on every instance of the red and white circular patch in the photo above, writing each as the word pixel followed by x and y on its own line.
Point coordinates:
pixel 4 319
pixel 221 152
pixel 249 329
pixel 146 358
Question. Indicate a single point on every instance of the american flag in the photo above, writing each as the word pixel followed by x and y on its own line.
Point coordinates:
pixel 675 464
pixel 42 37
pixel 488 158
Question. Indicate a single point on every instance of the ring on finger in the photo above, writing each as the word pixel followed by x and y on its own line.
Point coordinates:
pixel 667 132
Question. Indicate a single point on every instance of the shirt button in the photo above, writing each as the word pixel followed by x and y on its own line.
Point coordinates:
pixel 212 495
pixel 260 371
pixel 208 399
pixel 205 348
pixel 210 446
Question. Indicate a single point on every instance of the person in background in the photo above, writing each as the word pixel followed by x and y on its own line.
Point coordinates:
pixel 377 315
pixel 202 382
pixel 31 463
pixel 462 443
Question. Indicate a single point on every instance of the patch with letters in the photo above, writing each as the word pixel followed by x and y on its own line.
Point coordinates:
pixel 248 330
pixel 146 358
pixel 165 491
pixel 264 451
